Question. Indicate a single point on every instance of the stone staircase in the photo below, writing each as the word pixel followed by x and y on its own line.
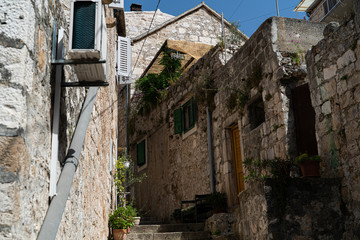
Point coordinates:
pixel 185 231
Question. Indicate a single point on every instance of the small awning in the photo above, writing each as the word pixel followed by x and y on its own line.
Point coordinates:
pixel 189 53
pixel 303 5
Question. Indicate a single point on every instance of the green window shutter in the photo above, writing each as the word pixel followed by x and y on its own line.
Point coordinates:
pixel 141 154
pixel 178 126
pixel 84 25
pixel 191 115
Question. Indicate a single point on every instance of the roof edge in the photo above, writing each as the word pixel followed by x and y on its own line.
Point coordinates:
pixel 202 4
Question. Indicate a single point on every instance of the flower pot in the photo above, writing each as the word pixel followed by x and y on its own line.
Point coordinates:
pixel 310 168
pixel 137 220
pixel 120 234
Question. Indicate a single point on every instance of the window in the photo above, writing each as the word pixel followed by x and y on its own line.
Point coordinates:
pixel 185 117
pixel 256 113
pixel 141 153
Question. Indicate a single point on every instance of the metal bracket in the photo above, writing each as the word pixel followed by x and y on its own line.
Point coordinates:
pixel 63 62
pixel 77 61
pixel 85 84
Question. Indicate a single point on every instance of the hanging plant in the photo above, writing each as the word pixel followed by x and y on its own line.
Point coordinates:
pixel 153 86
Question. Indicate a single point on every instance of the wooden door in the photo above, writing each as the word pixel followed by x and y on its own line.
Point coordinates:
pixel 237 160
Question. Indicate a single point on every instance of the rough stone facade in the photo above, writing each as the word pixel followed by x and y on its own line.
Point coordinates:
pixel 176 162
pixel 199 25
pixel 26 92
pixel 274 57
pixel 294 209
pixel 333 73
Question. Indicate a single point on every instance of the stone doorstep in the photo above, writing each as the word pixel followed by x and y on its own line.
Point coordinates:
pixel 170 236
pixel 184 227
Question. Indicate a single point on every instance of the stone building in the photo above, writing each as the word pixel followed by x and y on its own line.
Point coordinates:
pixel 200 24
pixel 325 10
pixel 268 101
pixel 27 106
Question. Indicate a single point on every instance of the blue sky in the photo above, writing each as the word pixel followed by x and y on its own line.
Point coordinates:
pixel 249 13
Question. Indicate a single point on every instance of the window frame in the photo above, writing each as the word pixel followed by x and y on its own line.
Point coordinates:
pixel 144 165
pixel 185 117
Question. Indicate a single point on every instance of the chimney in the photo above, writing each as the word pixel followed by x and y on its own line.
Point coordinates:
pixel 135 7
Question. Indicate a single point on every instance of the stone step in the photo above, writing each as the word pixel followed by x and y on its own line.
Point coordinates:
pixel 183 227
pixel 169 236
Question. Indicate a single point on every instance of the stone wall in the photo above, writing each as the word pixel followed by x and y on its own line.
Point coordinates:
pixel 333 73
pixel 264 59
pixel 291 208
pixel 176 162
pixel 252 221
pixel 26 92
pixel 198 26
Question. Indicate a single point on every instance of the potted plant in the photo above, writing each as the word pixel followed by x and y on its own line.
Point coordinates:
pixel 121 220
pixel 218 202
pixel 176 215
pixel 309 165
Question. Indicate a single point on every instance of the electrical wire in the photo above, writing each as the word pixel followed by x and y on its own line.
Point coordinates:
pixel 236 9
pixel 250 19
pixel 152 20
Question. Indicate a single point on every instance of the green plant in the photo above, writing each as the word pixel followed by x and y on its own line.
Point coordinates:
pixel 123 217
pixel 216 232
pixel 265 168
pixel 217 200
pixel 176 214
pixel 305 157
pixel 233 37
pixel 124 175
pixel 298 55
pixel 153 86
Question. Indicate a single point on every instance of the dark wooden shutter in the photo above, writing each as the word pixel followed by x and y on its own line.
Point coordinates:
pixel 141 154
pixel 178 121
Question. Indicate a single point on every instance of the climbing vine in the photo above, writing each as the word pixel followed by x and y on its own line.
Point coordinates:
pixel 153 87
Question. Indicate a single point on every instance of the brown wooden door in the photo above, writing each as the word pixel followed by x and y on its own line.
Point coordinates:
pixel 237 160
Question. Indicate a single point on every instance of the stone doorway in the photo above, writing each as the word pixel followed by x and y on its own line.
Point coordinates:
pixel 304 115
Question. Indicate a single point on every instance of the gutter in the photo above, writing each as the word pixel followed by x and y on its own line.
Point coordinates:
pixel 211 152
pixel 57 206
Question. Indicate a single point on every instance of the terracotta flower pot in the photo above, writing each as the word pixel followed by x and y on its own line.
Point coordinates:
pixel 310 168
pixel 120 234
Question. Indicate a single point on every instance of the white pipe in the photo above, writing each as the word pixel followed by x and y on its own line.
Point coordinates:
pixel 57 206
pixel 56 118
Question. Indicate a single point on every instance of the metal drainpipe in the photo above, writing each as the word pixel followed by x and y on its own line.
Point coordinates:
pixel 211 153
pixel 57 206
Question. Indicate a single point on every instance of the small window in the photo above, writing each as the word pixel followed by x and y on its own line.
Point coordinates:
pixel 256 113
pixel 141 153
pixel 185 117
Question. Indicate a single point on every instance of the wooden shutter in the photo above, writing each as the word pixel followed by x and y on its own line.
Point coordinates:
pixel 141 153
pixel 192 115
pixel 178 124
pixel 124 60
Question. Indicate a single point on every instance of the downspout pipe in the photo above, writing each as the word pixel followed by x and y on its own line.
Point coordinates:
pixel 211 152
pixel 57 206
